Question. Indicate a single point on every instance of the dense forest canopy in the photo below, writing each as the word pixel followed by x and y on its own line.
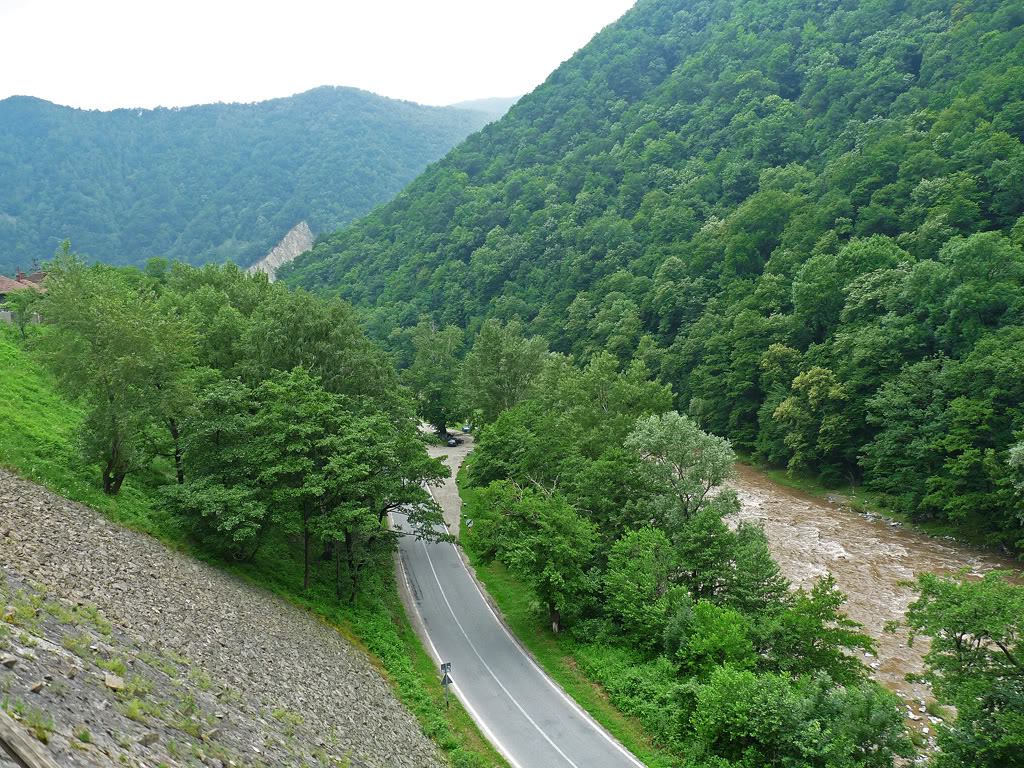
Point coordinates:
pixel 210 182
pixel 805 216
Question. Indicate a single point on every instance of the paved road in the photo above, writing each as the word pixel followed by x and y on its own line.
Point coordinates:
pixel 524 714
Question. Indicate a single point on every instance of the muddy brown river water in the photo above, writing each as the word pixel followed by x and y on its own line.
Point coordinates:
pixel 810 537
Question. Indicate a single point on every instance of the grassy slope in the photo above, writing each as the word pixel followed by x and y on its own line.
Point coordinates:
pixel 38 432
pixel 38 429
pixel 559 655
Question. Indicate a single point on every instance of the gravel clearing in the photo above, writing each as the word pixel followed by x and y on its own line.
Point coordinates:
pixel 288 689
pixel 447 495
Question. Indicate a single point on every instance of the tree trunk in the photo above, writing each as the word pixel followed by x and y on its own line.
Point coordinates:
pixel 305 541
pixel 177 453
pixel 113 476
pixel 337 568
pixel 556 618
pixel 353 572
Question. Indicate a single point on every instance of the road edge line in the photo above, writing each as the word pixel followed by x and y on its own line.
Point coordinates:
pixel 529 657
pixel 437 659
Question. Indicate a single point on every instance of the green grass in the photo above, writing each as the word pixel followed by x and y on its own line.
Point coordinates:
pixel 40 435
pixel 38 442
pixel 559 655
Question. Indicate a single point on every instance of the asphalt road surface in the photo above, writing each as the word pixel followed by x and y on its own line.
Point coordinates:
pixel 527 717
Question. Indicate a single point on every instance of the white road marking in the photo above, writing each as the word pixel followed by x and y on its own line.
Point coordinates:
pixel 465 701
pixel 486 666
pixel 557 689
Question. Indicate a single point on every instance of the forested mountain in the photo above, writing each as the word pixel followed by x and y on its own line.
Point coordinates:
pixel 209 182
pixel 804 215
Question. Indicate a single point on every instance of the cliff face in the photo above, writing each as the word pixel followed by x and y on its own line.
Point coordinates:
pixel 298 240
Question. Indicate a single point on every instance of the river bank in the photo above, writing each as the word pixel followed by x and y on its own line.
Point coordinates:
pixel 869 504
pixel 872 560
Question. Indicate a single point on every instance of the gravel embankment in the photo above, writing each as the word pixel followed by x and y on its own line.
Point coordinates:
pixel 216 666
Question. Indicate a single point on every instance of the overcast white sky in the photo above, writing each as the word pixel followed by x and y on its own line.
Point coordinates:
pixel 104 54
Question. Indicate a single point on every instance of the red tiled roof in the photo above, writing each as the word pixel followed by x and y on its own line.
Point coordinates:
pixel 7 285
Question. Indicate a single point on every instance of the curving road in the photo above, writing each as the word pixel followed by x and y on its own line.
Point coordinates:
pixel 527 717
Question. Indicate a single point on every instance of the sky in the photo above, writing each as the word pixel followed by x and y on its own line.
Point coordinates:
pixel 106 54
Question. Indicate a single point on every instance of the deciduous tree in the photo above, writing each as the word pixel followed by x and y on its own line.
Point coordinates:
pixel 118 349
pixel 500 369
pixel 976 663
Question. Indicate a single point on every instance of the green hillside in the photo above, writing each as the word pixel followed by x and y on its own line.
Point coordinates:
pixel 209 182
pixel 805 216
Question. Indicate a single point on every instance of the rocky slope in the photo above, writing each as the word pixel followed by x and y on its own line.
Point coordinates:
pixel 115 649
pixel 298 240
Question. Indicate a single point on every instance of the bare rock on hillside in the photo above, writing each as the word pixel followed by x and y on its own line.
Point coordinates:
pixel 298 240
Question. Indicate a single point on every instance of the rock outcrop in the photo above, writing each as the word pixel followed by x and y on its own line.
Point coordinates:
pixel 116 649
pixel 298 240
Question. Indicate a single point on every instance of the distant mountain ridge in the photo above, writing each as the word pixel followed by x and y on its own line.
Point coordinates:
pixel 211 182
pixel 495 106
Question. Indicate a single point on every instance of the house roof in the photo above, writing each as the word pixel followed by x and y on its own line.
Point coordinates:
pixel 8 286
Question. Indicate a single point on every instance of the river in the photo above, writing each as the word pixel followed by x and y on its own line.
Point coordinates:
pixel 810 537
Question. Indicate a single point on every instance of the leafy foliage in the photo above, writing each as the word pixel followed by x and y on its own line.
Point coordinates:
pixel 499 369
pixel 433 374
pixel 975 664
pixel 619 533
pixel 39 442
pixel 125 355
pixel 22 304
pixel 282 419
pixel 791 212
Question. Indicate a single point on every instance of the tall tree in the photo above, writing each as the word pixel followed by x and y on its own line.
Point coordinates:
pixel 500 369
pixel 293 458
pixel 434 372
pixel 394 471
pixel 685 467
pixel 118 349
pixel 545 541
